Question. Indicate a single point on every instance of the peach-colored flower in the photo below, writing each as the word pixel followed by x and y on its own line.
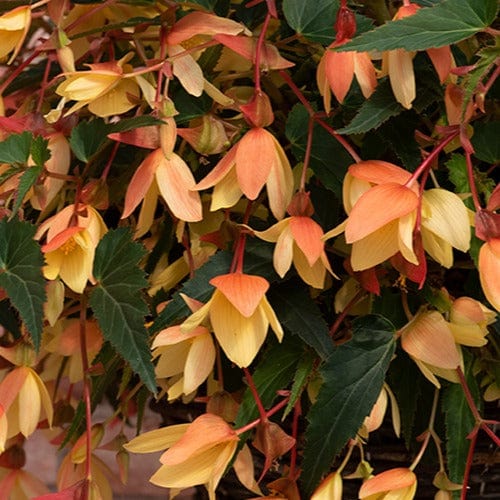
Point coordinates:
pixel 105 88
pixel 428 339
pixel 198 452
pixel 330 488
pixel 336 71
pixel 400 484
pixel 72 236
pixel 186 359
pixel 14 26
pixel 489 271
pixel 299 240
pixel 398 64
pixel 257 159
pixel 382 213
pixel 23 400
pixel 240 316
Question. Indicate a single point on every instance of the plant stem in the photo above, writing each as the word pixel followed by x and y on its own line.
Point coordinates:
pixel 255 393
pixel 258 51
pixel 270 413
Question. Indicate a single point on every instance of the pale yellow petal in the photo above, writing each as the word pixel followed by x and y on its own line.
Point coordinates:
pixel 85 86
pixel 120 99
pixel 438 248
pixel 405 237
pixel 312 275
pixel 30 405
pixel 244 468
pixel 283 252
pixel 401 76
pixel 187 70
pixel 148 208
pixel 172 359
pixel 157 440
pixel 197 317
pixel 469 334
pixel 272 318
pixel 199 362
pixel 227 192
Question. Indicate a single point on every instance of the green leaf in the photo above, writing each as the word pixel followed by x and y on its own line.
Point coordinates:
pixel 28 179
pixel 374 111
pixel 314 20
pixel 300 315
pixel 16 148
pixel 457 173
pixel 8 319
pixel 40 152
pixel 485 141
pixel 304 369
pixel 21 264
pixel 10 172
pixel 190 107
pixel 87 137
pixel 117 301
pixel 352 380
pixel 274 372
pixel 258 260
pixel 136 122
pixel 324 148
pixel 459 421
pixel 448 22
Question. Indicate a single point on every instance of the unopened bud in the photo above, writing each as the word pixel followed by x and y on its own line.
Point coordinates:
pixel 95 193
pixel 301 205
pixel 258 112
pixel 207 138
pixel 345 24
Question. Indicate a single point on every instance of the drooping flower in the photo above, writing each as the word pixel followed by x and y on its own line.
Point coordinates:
pixel 428 339
pixel 72 236
pixel 398 64
pixel 400 484
pixel 14 26
pixel 489 271
pixel 330 488
pixel 105 88
pixel 257 159
pixel 198 453
pixel 240 316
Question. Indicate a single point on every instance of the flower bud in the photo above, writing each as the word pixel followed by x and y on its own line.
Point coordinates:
pixel 258 112
pixel 345 24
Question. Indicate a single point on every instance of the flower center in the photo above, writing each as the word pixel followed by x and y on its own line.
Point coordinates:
pixel 68 246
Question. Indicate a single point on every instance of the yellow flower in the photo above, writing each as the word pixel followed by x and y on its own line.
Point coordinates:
pixel 14 26
pixel 69 250
pixel 299 240
pixel 198 452
pixel 469 320
pixel 105 88
pixel 428 339
pixel 257 159
pixel 186 359
pixel 23 397
pixel 330 488
pixel 400 484
pixel 240 316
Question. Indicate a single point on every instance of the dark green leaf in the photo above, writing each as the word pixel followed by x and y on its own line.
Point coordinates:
pixel 446 23
pixel 40 152
pixel 375 111
pixel 21 264
pixel 459 421
pixel 486 141
pixel 274 372
pixel 190 107
pixel 457 172
pixel 136 122
pixel 87 137
pixel 304 369
pixel 117 301
pixel 300 315
pixel 258 259
pixel 16 148
pixel 324 149
pixel 10 172
pixel 8 319
pixel 352 380
pixel 28 179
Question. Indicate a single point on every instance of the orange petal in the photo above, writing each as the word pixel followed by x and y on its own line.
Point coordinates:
pixel 220 170
pixel 61 238
pixel 307 234
pixel 143 137
pixel 255 157
pixel 442 60
pixel 379 172
pixel 489 271
pixel 365 73
pixel 11 386
pixel 429 338
pixel 339 70
pixel 244 291
pixel 389 480
pixel 377 207
pixel 141 180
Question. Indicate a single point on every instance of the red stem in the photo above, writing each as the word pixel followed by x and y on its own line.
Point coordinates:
pixel 258 51
pixel 257 421
pixel 19 70
pixel 86 387
pixel 110 161
pixel 468 465
pixel 343 314
pixel 491 80
pixel 255 393
pixel 307 155
pixel 297 411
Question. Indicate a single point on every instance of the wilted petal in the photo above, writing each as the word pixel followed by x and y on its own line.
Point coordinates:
pixel 428 338
pixel 243 291
pixel 377 207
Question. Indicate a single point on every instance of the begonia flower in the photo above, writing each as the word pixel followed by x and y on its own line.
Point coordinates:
pixel 257 159
pixel 198 453
pixel 398 64
pixel 72 236
pixel 14 26
pixel 400 483
pixel 330 488
pixel 240 316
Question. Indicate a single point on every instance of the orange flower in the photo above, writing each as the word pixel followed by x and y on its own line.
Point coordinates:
pixel 240 316
pixel 198 452
pixel 257 159
pixel 336 71
pixel 398 64
pixel 105 88
pixel 14 26
pixel 299 240
pixel 489 271
pixel 400 483
pixel 72 237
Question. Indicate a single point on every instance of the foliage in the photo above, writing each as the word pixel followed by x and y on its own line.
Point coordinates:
pixel 280 215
